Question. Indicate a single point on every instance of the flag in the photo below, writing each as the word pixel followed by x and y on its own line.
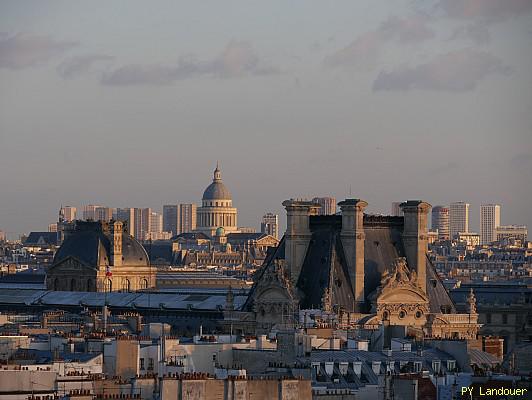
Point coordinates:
pixel 108 271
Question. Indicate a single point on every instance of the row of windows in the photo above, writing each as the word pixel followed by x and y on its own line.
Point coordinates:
pixel 216 204
pixel 126 285
pixel 90 286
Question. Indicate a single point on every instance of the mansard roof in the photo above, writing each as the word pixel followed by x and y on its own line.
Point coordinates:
pixel 41 238
pixel 325 265
pixel 90 243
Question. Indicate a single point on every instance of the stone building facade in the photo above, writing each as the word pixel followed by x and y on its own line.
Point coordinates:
pixel 100 256
pixel 374 268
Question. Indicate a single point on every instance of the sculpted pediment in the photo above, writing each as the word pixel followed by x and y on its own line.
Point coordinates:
pixel 402 295
pixel 400 285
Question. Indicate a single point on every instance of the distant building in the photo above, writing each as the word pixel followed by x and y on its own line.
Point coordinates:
pixel 490 219
pixel 127 215
pixel 89 212
pixel 100 256
pixel 217 208
pixel 171 218
pixel 433 236
pixel 2 236
pixel 471 239
pixel 142 222
pixel 458 218
pixel 52 227
pixel 515 232
pixel 156 222
pixel 68 213
pixel 97 213
pixel 270 225
pixel 396 209
pixel 104 214
pixel 246 229
pixel 440 222
pixel 187 217
pixel 155 231
pixel 328 205
pixel 179 218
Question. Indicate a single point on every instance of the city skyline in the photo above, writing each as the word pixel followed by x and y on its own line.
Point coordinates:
pixel 122 118
pixel 265 199
pixel 474 227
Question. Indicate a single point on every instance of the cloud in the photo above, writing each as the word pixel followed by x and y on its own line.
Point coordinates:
pixel 365 49
pixel 457 71
pixel 238 59
pixel 477 32
pixel 141 75
pixel 79 65
pixel 412 29
pixel 491 10
pixel 521 161
pixel 25 50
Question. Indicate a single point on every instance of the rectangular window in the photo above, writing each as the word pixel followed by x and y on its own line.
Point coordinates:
pixel 488 318
pixel 505 318
pixel 150 364
pixel 417 366
pixel 436 366
pixel 451 365
pixel 142 363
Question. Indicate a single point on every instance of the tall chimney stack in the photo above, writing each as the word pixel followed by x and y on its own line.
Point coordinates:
pixel 353 237
pixel 297 236
pixel 415 238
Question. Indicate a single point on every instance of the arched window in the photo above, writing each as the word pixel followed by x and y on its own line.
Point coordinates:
pixel 56 284
pixel 126 286
pixel 90 285
pixel 143 284
pixel 108 285
pixel 73 285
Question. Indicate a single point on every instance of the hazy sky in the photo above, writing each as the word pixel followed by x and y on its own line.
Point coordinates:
pixel 131 103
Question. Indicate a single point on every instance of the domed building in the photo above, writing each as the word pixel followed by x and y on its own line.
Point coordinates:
pixel 100 256
pixel 217 209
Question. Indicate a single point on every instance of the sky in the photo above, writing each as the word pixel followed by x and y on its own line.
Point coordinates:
pixel 132 103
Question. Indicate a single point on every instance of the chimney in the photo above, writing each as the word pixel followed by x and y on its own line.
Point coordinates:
pixel 297 236
pixel 353 236
pixel 117 229
pixel 415 238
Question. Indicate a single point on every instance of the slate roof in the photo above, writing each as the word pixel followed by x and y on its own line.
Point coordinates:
pixel 243 237
pixel 382 246
pixel 325 265
pixel 191 236
pixel 92 246
pixel 36 238
pixel 183 299
pixel 492 293
pixel 439 298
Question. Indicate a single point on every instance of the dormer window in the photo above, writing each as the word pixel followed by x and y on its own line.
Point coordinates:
pixel 417 366
pixel 451 365
pixel 436 366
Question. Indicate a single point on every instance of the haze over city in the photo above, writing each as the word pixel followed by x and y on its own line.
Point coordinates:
pixel 127 104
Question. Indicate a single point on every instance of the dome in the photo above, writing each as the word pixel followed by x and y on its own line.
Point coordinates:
pixel 220 231
pixel 92 246
pixel 217 190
